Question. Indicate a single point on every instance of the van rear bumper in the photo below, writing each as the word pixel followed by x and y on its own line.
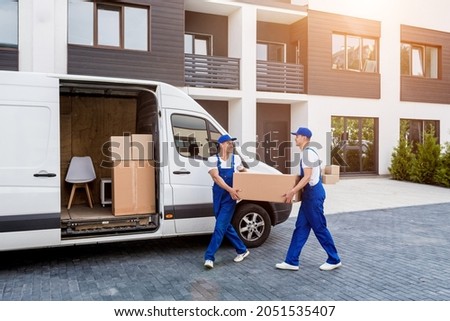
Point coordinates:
pixel 281 212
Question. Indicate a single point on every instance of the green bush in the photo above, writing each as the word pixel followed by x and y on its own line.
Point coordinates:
pixel 402 158
pixel 442 175
pixel 426 163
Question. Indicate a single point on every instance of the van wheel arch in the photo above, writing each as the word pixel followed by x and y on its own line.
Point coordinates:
pixel 252 223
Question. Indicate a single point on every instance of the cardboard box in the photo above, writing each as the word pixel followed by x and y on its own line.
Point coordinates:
pixel 330 179
pixel 332 169
pixel 145 187
pixel 123 188
pixel 264 187
pixel 120 148
pixel 141 147
pixel 133 188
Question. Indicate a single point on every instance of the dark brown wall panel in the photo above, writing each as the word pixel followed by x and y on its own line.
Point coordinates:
pixel 217 109
pixel 322 80
pixel 9 59
pixel 422 89
pixel 276 33
pixel 165 61
pixel 209 24
pixel 299 35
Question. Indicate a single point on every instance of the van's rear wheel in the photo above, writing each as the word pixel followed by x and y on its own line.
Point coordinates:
pixel 252 223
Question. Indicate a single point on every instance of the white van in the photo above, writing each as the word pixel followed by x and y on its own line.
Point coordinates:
pixel 47 119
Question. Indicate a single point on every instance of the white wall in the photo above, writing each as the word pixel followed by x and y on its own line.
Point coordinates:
pixel 242 112
pixel 389 109
pixel 43 36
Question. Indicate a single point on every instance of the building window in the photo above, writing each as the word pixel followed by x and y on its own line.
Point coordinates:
pixel 108 25
pixel 419 60
pixel 354 53
pixel 413 130
pixel 274 52
pixel 197 44
pixel 8 23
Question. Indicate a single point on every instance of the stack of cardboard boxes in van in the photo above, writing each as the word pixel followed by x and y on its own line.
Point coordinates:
pixel 133 175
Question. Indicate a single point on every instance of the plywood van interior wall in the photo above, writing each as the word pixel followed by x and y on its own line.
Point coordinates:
pixel 87 123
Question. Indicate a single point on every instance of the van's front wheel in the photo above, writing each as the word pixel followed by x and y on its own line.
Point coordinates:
pixel 252 223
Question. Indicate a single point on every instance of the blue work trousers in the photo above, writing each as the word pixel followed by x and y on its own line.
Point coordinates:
pixel 224 207
pixel 311 216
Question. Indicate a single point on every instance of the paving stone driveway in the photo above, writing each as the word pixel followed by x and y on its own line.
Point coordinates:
pixel 393 254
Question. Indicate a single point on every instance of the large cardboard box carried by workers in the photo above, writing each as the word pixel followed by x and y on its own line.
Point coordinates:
pixel 265 187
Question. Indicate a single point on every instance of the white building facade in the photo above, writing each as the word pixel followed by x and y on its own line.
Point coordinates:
pixel 355 113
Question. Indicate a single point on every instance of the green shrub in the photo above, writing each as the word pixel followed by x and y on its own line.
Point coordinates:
pixel 426 163
pixel 402 158
pixel 442 175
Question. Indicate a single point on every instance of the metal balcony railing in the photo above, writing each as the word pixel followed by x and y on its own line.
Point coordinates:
pixel 279 77
pixel 223 72
pixel 211 72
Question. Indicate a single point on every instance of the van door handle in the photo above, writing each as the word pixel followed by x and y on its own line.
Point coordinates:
pixel 44 174
pixel 181 172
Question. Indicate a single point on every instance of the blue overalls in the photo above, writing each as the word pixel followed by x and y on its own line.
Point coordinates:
pixel 224 207
pixel 310 216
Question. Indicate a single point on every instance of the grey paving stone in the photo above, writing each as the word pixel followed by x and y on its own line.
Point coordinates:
pixel 388 254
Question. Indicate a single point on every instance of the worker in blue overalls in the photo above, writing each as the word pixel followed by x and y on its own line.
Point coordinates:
pixel 222 166
pixel 310 215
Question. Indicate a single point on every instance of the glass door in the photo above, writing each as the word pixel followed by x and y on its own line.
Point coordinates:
pixel 354 144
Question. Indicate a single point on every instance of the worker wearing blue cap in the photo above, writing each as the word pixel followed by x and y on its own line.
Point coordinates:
pixel 222 167
pixel 310 215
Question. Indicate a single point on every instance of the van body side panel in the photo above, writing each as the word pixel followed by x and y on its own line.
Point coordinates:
pixel 28 240
pixel 29 162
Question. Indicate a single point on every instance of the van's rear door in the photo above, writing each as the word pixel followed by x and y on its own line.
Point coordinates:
pixel 29 163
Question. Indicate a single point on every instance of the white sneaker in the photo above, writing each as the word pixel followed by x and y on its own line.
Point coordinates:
pixel 241 257
pixel 328 267
pixel 286 266
pixel 209 264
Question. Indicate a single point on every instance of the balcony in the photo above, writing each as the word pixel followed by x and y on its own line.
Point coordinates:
pixel 279 77
pixel 211 72
pixel 223 73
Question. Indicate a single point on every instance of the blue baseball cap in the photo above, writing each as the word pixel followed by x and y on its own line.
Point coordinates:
pixel 225 138
pixel 303 131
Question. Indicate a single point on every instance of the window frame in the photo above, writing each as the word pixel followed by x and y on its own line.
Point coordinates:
pixel 424 127
pixel 269 44
pixel 365 65
pixel 97 6
pixel 199 36
pixel 423 50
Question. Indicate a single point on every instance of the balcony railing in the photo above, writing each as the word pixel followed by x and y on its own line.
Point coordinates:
pixel 211 72
pixel 279 77
pixel 223 72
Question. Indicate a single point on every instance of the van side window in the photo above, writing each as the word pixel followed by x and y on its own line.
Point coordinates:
pixel 193 136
